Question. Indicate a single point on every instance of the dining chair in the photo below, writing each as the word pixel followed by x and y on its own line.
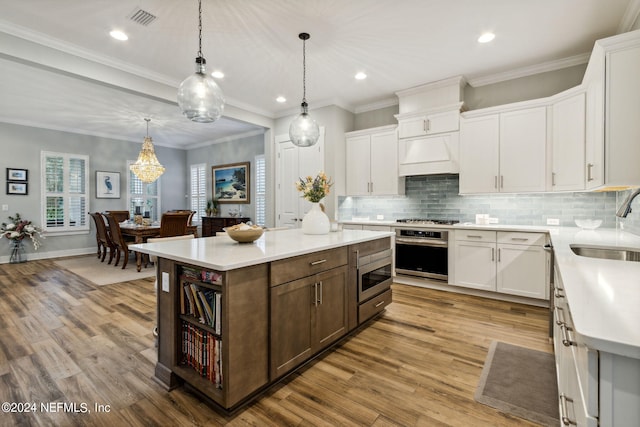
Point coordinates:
pixel 102 237
pixel 153 259
pixel 192 229
pixel 119 215
pixel 174 224
pixel 119 243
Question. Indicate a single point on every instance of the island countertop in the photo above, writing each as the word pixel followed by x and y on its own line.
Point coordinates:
pixel 222 253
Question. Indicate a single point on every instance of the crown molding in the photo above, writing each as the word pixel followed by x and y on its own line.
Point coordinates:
pixel 383 103
pixel 529 70
pixel 225 139
pixel 457 80
pixel 630 17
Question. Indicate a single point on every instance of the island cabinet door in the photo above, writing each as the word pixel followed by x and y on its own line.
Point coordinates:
pixel 291 306
pixel 330 308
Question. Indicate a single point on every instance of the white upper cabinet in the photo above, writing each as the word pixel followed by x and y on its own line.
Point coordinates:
pixel 568 143
pixel 410 126
pixel 613 109
pixel 372 162
pixel 504 152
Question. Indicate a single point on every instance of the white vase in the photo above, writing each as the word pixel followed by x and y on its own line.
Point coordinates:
pixel 315 221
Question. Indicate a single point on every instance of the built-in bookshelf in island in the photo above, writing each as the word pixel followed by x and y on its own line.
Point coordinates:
pixel 212 331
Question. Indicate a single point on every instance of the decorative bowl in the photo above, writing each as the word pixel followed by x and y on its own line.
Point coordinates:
pixel 588 224
pixel 243 233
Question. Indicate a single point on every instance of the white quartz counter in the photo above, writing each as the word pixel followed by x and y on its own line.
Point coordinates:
pixel 603 295
pixel 222 253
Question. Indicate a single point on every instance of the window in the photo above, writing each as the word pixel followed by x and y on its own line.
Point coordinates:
pixel 261 190
pixel 144 196
pixel 65 192
pixel 199 190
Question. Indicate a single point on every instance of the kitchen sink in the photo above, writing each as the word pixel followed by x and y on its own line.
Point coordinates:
pixel 606 253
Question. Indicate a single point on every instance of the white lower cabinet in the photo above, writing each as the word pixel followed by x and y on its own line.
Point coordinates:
pixel 507 262
pixel 595 387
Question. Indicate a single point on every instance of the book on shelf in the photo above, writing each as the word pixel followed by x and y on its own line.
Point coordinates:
pixel 201 350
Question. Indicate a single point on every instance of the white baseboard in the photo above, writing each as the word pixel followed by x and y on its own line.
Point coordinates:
pixel 53 254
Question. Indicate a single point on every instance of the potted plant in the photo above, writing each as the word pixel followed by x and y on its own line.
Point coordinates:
pixel 212 207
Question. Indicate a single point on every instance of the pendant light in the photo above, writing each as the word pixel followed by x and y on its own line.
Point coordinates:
pixel 199 96
pixel 304 131
pixel 147 168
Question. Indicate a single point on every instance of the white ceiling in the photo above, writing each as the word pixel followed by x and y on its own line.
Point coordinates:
pixel 398 43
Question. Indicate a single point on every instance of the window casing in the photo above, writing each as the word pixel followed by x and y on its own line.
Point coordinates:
pixel 65 193
pixel 198 186
pixel 261 190
pixel 143 195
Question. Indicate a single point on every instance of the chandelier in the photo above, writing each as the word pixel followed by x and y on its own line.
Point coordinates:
pixel 199 96
pixel 304 131
pixel 147 168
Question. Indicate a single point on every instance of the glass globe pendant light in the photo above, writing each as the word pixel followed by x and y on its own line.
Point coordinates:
pixel 199 96
pixel 147 168
pixel 304 131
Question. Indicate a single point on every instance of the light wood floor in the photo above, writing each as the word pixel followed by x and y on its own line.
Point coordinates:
pixel 63 339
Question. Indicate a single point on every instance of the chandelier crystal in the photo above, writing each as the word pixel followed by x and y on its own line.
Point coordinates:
pixel 304 131
pixel 199 96
pixel 147 168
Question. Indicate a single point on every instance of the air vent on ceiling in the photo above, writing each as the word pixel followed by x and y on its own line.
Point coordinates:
pixel 142 17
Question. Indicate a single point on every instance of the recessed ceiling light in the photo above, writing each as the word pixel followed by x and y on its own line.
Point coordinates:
pixel 361 76
pixel 217 74
pixel 281 99
pixel 119 35
pixel 486 38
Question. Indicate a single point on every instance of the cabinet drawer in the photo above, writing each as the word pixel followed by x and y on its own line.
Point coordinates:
pixel 374 306
pixel 520 238
pixel 476 235
pixel 289 269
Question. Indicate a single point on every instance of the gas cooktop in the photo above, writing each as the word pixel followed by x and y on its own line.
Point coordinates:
pixel 427 221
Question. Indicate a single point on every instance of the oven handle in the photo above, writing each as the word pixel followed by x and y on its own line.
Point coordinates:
pixel 421 242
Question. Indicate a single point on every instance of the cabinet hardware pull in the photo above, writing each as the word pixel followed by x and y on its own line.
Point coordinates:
pixel 556 312
pixel 564 412
pixel 357 258
pixel 428 125
pixel 501 181
pixel 474 236
pixel 566 338
pixel 493 254
pixel 372 187
pixel 519 239
pixel 553 178
pixel 589 169
pixel 320 261
pixel 498 254
pixel 379 304
pixel 320 283
pixel 315 294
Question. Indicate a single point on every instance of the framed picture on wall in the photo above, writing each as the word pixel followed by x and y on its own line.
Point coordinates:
pixel 17 174
pixel 107 185
pixel 18 188
pixel 231 183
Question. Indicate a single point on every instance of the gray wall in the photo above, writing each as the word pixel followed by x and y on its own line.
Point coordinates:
pixel 437 197
pixel 22 145
pixel 240 150
pixel 375 118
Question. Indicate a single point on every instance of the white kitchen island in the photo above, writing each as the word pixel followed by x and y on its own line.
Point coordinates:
pixel 234 318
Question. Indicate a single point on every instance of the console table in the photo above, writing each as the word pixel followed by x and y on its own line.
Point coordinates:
pixel 212 224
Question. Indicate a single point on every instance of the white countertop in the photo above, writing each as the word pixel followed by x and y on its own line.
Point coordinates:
pixel 222 253
pixel 603 295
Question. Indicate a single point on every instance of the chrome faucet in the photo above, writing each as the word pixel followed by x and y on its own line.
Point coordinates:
pixel 625 208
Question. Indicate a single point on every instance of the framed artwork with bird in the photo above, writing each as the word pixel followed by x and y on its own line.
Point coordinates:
pixel 107 185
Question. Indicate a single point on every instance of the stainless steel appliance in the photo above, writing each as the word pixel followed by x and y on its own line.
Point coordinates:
pixel 374 274
pixel 422 251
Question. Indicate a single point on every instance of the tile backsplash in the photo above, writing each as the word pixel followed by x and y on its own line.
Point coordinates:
pixel 436 197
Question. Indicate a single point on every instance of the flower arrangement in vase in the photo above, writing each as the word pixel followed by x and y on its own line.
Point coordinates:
pixel 16 231
pixel 314 190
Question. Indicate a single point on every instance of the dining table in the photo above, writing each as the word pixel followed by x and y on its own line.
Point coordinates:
pixel 140 234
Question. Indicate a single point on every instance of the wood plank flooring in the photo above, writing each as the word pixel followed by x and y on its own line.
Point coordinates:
pixel 64 340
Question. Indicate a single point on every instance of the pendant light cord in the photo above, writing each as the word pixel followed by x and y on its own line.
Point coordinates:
pixel 199 28
pixel 147 120
pixel 304 70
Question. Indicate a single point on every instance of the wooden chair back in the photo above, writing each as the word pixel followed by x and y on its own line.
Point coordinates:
pixel 174 223
pixel 184 211
pixel 118 241
pixel 119 215
pixel 102 236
